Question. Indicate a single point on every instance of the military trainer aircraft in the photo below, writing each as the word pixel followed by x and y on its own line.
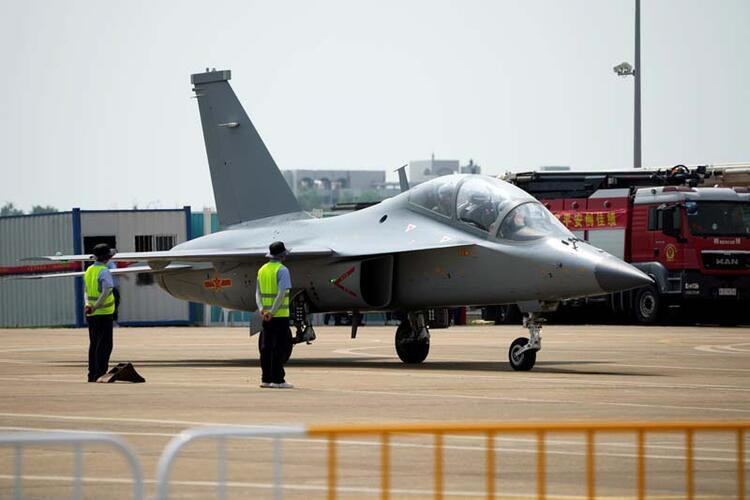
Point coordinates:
pixel 452 241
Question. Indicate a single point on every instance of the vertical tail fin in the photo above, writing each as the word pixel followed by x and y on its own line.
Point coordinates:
pixel 247 183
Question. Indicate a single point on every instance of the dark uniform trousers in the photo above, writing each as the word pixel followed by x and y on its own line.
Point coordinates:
pixel 275 347
pixel 116 295
pixel 100 344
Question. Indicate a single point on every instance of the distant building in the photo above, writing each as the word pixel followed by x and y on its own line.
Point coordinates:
pixel 322 189
pixel 424 170
pixel 356 181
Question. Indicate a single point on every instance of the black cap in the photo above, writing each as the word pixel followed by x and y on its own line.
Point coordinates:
pixel 276 250
pixel 102 250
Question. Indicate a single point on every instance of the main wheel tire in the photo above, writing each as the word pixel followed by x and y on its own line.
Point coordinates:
pixel 524 361
pixel 409 349
pixel 646 305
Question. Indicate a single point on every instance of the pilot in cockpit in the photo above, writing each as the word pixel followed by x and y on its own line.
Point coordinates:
pixel 444 202
pixel 479 210
pixel 516 222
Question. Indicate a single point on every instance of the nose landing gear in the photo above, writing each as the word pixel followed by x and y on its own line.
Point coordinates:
pixel 522 352
pixel 413 339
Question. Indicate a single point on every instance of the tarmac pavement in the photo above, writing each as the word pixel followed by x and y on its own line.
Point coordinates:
pixel 210 376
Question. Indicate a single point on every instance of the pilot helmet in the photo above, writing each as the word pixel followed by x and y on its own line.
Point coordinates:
pixel 479 197
pixel 445 192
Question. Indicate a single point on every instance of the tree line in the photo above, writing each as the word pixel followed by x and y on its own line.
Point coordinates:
pixel 10 209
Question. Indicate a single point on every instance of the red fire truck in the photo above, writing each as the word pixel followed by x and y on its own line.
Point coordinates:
pixel 693 240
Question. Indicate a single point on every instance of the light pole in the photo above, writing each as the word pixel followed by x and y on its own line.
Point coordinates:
pixel 625 69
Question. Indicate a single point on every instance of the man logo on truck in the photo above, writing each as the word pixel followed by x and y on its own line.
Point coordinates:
pixel 727 261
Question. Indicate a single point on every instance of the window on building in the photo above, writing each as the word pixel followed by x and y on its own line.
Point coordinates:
pixel 150 242
pixel 164 242
pixel 144 243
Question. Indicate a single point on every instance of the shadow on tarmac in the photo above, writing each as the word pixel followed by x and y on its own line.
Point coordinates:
pixel 375 362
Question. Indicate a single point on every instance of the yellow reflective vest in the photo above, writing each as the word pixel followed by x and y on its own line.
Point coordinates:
pixel 91 279
pixel 269 287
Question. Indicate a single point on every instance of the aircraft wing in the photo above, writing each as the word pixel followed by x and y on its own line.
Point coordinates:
pixel 399 247
pixel 116 272
pixel 404 232
pixel 197 255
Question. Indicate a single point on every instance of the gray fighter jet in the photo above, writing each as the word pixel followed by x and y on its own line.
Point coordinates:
pixel 452 241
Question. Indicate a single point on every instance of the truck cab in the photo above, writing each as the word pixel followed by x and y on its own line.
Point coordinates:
pixel 695 242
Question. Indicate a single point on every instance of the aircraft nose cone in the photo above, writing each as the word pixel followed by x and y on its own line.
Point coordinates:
pixel 614 275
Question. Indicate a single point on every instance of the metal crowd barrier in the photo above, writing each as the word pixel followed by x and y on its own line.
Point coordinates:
pixel 332 433
pixel 220 434
pixel 20 440
pixel 540 430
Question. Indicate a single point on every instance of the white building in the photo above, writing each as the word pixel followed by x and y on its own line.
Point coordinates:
pixel 59 301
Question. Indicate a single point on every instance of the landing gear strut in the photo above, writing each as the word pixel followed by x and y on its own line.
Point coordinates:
pixel 522 352
pixel 413 339
pixel 299 311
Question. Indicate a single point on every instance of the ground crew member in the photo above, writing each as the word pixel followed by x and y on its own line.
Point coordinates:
pixel 100 307
pixel 272 299
pixel 116 285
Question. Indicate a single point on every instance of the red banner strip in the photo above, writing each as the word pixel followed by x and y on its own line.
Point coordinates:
pixel 580 221
pixel 40 268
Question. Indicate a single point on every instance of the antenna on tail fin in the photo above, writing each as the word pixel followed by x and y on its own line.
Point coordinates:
pixel 247 183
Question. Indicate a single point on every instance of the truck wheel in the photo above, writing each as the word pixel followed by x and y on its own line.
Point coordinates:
pixel 730 315
pixel 646 305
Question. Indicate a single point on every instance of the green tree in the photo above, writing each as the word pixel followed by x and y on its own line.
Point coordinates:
pixel 39 209
pixel 372 195
pixel 311 198
pixel 10 209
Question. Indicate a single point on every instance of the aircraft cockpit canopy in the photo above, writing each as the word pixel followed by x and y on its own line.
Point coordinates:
pixel 488 204
pixel 531 221
pixel 436 195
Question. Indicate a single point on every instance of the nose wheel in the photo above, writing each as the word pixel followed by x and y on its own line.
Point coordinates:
pixel 522 351
pixel 413 339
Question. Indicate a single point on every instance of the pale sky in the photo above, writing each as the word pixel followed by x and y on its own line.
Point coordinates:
pixel 96 109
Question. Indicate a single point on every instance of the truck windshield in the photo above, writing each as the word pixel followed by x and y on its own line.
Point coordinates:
pixel 718 218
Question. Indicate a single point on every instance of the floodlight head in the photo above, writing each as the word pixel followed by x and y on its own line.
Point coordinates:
pixel 624 69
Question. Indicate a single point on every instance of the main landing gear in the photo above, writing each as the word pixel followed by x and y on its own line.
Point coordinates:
pixel 303 329
pixel 413 338
pixel 522 352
